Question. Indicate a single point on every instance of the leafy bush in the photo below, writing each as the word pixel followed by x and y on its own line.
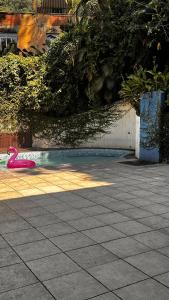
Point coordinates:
pixel 16 5
pixel 78 128
pixel 86 66
pixel 24 107
pixel 21 85
pixel 144 81
pixel 164 136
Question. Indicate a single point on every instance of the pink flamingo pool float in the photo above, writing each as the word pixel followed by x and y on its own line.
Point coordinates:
pixel 14 163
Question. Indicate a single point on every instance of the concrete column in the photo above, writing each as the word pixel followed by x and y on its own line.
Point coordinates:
pixel 151 106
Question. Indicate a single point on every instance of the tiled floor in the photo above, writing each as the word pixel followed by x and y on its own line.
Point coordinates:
pixel 85 232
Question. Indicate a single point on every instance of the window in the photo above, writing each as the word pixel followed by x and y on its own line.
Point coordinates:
pixel 7 39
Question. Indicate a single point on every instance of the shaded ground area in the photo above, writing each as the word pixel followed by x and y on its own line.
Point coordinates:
pixel 96 232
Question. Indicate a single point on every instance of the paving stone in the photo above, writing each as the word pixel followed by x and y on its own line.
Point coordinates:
pixel 43 220
pixel 32 292
pixel 46 201
pixel 116 274
pixel 151 263
pixel 103 234
pixel 3 243
pixel 23 237
pixel 91 256
pixel 111 218
pixel 58 207
pixel 164 250
pixel 86 223
pixel 164 279
pixel 21 203
pixel 102 199
pixel 145 290
pixel 15 276
pixel 136 213
pixel 72 241
pixel 157 209
pixel 156 222
pixel 8 216
pixel 69 215
pixel 139 202
pixel 32 212
pixel 95 210
pixel 165 230
pixel 165 215
pixel 36 250
pixel 141 192
pixel 107 296
pixel 119 205
pixel 124 196
pixel 81 203
pixel 131 227
pixel 153 239
pixel 8 257
pixel 13 225
pixel 77 286
pixel 52 266
pixel 125 247
pixel 56 229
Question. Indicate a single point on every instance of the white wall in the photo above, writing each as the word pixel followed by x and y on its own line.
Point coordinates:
pixel 121 135
pixel 137 136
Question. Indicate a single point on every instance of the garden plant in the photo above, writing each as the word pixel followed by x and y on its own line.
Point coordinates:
pixel 115 49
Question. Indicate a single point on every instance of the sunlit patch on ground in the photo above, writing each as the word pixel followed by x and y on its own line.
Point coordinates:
pixel 16 184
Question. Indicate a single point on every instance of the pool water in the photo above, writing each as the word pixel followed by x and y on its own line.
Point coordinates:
pixel 57 158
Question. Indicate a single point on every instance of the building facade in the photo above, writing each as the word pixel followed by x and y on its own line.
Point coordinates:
pixel 33 29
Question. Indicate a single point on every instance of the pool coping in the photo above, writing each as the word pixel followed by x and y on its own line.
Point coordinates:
pixel 70 152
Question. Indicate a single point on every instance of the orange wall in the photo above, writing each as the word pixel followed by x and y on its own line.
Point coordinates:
pixel 31 28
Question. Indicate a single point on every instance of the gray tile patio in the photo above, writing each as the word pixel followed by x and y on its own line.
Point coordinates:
pixel 146 290
pixel 76 286
pixel 23 237
pixel 116 274
pixel 53 266
pixel 36 250
pixel 125 247
pixel 32 292
pixel 72 241
pixel 91 256
pixel 151 263
pixel 107 296
pixel 105 236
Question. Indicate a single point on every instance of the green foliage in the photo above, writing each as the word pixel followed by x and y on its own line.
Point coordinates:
pixel 16 5
pixel 21 85
pixel 23 105
pixel 164 136
pixel 155 17
pixel 144 81
pixel 85 67
pixel 75 129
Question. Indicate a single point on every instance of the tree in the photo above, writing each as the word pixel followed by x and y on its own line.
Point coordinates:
pixel 21 86
pixel 72 5
pixel 86 66
pixel 16 5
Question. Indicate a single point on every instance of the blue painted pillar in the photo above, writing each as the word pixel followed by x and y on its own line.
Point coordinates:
pixel 151 106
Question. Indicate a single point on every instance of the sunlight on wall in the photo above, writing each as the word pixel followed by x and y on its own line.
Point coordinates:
pixel 31 28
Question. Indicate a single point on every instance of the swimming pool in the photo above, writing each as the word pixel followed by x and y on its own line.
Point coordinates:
pixel 59 157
